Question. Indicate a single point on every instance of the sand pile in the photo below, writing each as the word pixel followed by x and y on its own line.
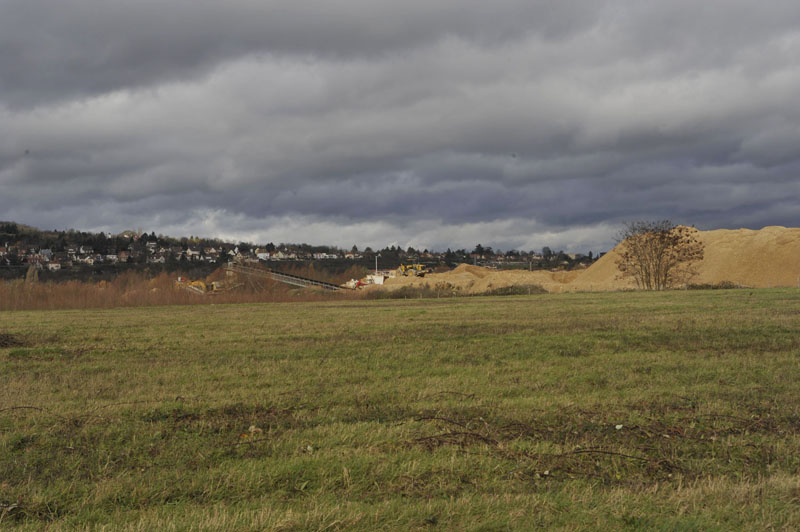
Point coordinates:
pixel 765 258
pixel 470 279
pixel 603 275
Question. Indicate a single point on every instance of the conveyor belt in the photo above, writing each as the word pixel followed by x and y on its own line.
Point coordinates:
pixel 287 278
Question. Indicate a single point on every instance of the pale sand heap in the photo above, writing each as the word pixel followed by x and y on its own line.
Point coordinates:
pixel 769 257
pixel 766 258
pixel 468 279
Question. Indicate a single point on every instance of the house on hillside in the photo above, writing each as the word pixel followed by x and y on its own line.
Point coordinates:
pixel 211 254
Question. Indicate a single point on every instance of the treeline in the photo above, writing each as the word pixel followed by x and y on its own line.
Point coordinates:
pixel 19 235
pixel 96 256
pixel 106 272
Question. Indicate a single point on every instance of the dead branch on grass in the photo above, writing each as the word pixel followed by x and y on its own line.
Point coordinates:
pixel 439 418
pixel 459 438
pixel 600 451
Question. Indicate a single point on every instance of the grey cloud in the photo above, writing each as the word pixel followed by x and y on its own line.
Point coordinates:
pixel 437 119
pixel 50 49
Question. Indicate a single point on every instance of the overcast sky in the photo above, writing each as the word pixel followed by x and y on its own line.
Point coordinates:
pixel 516 124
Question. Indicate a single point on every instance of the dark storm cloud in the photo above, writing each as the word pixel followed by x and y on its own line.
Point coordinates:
pixel 57 48
pixel 433 124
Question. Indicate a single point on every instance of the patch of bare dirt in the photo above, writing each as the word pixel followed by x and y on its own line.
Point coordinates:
pixel 10 340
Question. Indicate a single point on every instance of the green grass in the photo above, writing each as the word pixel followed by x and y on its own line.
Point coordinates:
pixel 656 411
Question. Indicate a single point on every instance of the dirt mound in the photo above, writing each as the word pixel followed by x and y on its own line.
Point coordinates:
pixel 477 271
pixel 758 258
pixel 469 279
pixel 765 258
pixel 603 275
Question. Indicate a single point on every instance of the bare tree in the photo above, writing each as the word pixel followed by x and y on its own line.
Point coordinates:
pixel 658 254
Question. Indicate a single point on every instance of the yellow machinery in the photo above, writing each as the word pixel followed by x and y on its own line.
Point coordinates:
pixel 418 270
pixel 199 287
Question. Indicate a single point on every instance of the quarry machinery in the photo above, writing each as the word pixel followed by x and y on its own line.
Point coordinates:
pixel 417 270
pixel 199 287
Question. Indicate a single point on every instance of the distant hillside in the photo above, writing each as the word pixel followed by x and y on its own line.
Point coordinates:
pixel 21 226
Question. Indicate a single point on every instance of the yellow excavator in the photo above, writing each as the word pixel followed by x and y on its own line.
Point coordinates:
pixel 417 270
pixel 199 287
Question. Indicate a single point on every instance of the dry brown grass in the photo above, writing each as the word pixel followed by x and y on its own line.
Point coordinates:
pixel 132 289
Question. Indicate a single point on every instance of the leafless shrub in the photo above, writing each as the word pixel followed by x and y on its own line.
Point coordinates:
pixel 658 255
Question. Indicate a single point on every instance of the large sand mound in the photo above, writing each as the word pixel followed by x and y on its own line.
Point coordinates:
pixel 769 257
pixel 765 258
pixel 468 279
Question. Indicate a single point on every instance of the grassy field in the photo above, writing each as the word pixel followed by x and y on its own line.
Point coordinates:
pixel 666 411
